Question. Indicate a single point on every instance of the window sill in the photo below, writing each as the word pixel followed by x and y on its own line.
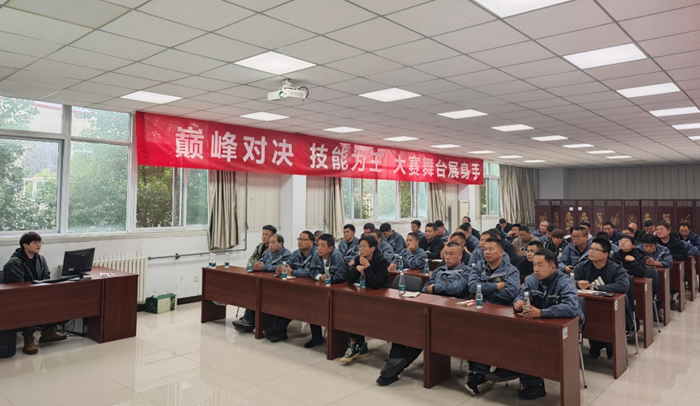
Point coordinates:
pixel 85 237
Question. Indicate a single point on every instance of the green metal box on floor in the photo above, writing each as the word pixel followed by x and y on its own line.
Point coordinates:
pixel 161 304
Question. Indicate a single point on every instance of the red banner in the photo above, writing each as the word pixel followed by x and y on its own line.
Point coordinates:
pixel 181 142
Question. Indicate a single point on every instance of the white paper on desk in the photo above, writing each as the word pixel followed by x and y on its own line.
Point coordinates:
pixel 411 294
pixel 590 292
pixel 288 276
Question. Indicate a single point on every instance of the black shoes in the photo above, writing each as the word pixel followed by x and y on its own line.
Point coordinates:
pixel 502 375
pixel 313 342
pixel 387 381
pixel 532 392
pixel 243 326
pixel 393 368
pixel 275 336
pixel 477 383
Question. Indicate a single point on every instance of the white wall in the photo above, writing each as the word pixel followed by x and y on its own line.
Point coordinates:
pixel 649 182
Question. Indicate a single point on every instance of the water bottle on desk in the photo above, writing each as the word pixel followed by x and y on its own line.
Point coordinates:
pixel 227 263
pixel 399 262
pixel 426 270
pixel 249 266
pixel 284 271
pixel 479 298
pixel 213 260
pixel 327 277
pixel 363 281
pixel 402 284
pixel 526 301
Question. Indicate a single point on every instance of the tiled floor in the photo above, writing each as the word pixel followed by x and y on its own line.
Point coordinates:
pixel 175 360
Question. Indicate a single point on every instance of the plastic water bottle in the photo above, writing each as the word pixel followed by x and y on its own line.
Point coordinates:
pixel 526 301
pixel 226 264
pixel 426 270
pixel 213 260
pixel 399 263
pixel 402 284
pixel 284 270
pixel 249 266
pixel 327 277
pixel 363 281
pixel 479 298
pixel 210 261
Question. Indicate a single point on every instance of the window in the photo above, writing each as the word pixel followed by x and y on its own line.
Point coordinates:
pixel 490 191
pixel 28 174
pixel 29 115
pixel 41 163
pixel 171 197
pixel 370 199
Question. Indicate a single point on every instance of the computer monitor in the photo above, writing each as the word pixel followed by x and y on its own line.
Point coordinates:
pixel 78 262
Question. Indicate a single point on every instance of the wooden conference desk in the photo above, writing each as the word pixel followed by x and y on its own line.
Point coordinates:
pixel 605 321
pixel 430 322
pixel 664 295
pixel 691 276
pixel 677 279
pixel 109 304
pixel 644 297
pixel 412 272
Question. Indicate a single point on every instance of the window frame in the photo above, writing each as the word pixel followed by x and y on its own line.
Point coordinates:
pixel 397 201
pixel 487 193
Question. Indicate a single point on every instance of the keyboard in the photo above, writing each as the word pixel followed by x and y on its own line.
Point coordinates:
pixel 61 279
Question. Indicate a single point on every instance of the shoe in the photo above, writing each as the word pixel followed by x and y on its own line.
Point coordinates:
pixel 387 381
pixel 351 353
pixel 313 342
pixel 364 351
pixel 609 350
pixel 477 383
pixel 269 332
pixel 393 367
pixel 282 335
pixel 532 392
pixel 29 346
pixel 628 335
pixel 50 335
pixel 501 375
pixel 594 353
pixel 243 326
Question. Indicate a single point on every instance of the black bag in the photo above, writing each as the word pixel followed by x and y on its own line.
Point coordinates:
pixel 8 343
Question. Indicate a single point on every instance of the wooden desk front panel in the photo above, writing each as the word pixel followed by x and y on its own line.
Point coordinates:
pixel 398 321
pixel 233 286
pixel 295 300
pixel 25 304
pixel 476 336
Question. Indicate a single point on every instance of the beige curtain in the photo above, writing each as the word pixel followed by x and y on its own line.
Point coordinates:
pixel 223 210
pixel 436 202
pixel 335 213
pixel 518 193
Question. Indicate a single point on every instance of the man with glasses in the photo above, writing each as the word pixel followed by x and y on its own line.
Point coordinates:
pixel 26 265
pixel 600 273
pixel 576 251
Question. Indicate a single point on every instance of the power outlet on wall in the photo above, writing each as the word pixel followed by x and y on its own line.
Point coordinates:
pixel 196 278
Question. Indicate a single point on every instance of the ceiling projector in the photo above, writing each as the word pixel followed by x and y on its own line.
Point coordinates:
pixel 287 91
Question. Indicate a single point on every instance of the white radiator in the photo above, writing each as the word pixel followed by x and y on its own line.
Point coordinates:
pixel 136 266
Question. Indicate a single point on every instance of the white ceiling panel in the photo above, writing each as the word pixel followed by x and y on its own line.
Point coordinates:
pixel 323 93
pixel 363 65
pixel 626 9
pixel 680 61
pixel 144 27
pixel 561 79
pixel 258 5
pixel 26 46
pixel 374 34
pixel 527 96
pixel 663 24
pixel 319 76
pixel 320 17
pixel 637 81
pixel 427 88
pixel 199 82
pixel 248 92
pixel 452 14
pixel 458 65
pixel 116 45
pixel 91 14
pixel 42 79
pixel 674 44
pixel 486 36
pixel 513 54
pixel 320 50
pixel 194 104
pixel 237 74
pixel 119 80
pixel 129 104
pixel 418 52
pixel 499 89
pixel 34 26
pixel 539 68
pixel 99 88
pixel 221 48
pixel 624 69
pixel 77 56
pixel 127 3
pixel 685 74
pixel 579 89
pixel 81 96
pixel 206 15
pixel 401 77
pixel 13 60
pixel 63 69
pixel 265 32
pixel 387 6
pixel 586 40
pixel 553 20
pixel 459 95
pixel 175 90
pixel 358 86
pixel 482 78
pixel 218 98
pixel 151 72
pixel 6 71
pixel 205 115
pixel 170 110
pixel 182 62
